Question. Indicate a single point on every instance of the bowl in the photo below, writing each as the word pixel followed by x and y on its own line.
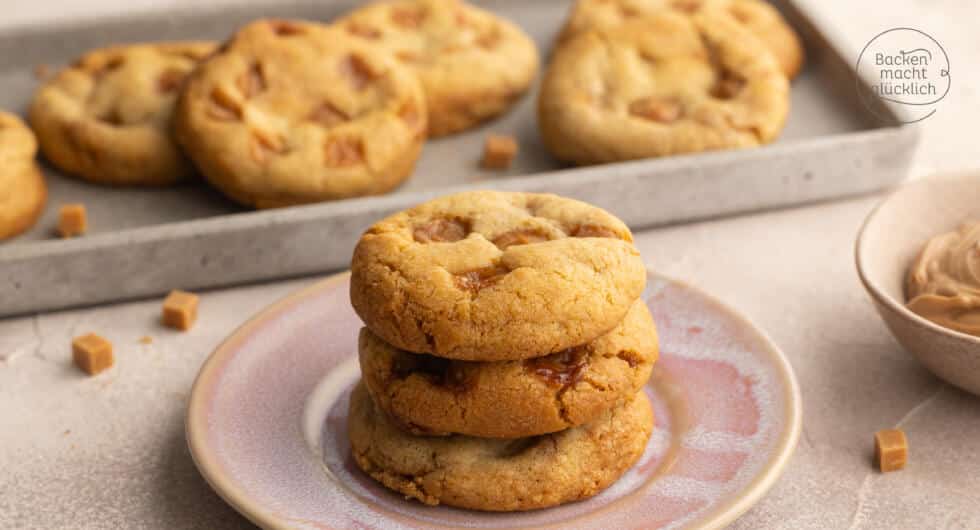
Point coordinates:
pixel 890 239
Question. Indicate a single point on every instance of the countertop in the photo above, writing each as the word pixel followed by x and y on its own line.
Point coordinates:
pixel 109 451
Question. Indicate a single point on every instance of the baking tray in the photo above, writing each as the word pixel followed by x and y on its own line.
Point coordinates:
pixel 146 242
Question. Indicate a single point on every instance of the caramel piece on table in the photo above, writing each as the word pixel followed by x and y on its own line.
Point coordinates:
pixel 891 450
pixel 72 220
pixel 92 353
pixel 499 152
pixel 180 310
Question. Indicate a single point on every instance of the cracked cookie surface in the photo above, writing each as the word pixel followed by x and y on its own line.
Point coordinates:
pixel 662 85
pixel 472 64
pixel 427 395
pixel 758 16
pixel 107 118
pixel 499 475
pixel 492 276
pixel 290 112
pixel 23 192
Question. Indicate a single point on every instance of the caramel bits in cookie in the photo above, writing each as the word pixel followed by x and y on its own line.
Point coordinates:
pixel 561 369
pixel 441 231
pixel 656 109
pixel 476 280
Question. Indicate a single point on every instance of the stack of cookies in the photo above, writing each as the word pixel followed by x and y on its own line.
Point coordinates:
pixel 505 351
pixel 635 79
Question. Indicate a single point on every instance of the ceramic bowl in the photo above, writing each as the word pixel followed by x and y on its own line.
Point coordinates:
pixel 890 239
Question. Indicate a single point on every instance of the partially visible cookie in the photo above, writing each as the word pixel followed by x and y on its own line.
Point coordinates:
pixel 663 85
pixel 22 189
pixel 290 112
pixel 758 16
pixel 473 64
pixel 107 117
pixel 427 395
pixel 492 276
pixel 499 475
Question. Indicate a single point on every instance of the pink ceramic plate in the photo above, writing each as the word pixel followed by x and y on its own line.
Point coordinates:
pixel 266 424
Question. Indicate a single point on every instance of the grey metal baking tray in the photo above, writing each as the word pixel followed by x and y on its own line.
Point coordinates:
pixel 146 242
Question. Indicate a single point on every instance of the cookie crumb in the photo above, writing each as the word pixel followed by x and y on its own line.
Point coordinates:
pixel 891 450
pixel 180 310
pixel 92 354
pixel 146 339
pixel 499 152
pixel 72 220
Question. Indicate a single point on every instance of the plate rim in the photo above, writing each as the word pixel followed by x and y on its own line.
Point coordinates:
pixel 204 457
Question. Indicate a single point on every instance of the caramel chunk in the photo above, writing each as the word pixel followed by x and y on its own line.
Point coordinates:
pixel 499 152
pixel 655 109
pixel 441 231
pixel 728 86
pixel 475 280
pixel 449 374
pixel 891 450
pixel 562 369
pixel 180 310
pixel 519 237
pixel 92 354
pixel 588 230
pixel 170 80
pixel 72 220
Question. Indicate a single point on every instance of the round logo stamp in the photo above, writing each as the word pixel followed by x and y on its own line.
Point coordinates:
pixel 906 67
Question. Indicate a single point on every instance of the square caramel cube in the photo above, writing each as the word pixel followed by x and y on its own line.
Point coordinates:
pixel 499 152
pixel 72 220
pixel 180 310
pixel 891 450
pixel 92 353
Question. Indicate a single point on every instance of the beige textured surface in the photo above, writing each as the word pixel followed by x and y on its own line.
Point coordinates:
pixel 792 272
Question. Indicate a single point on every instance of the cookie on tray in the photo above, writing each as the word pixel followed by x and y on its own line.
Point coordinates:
pixel 428 395
pixel 758 16
pixel 493 276
pixel 473 64
pixel 664 85
pixel 107 118
pixel 22 188
pixel 499 475
pixel 291 112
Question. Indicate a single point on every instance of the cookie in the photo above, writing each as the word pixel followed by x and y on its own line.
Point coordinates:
pixel 22 189
pixel 499 475
pixel 291 112
pixel 759 17
pixel 472 64
pixel 107 118
pixel 428 395
pixel 494 276
pixel 664 85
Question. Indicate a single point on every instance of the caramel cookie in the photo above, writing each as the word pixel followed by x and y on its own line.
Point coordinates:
pixel 22 189
pixel 428 395
pixel 472 64
pixel 107 118
pixel 291 112
pixel 664 85
pixel 493 276
pixel 499 475
pixel 759 17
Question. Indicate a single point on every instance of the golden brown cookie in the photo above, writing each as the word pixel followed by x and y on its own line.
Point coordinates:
pixel 107 118
pixel 292 112
pixel 758 16
pixel 428 395
pixel 493 276
pixel 22 189
pixel 499 475
pixel 472 64
pixel 664 85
